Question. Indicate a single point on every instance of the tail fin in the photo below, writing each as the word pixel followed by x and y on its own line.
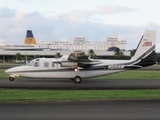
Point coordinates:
pixel 29 38
pixel 146 45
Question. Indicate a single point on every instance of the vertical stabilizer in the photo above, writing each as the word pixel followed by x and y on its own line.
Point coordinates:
pixel 146 45
pixel 29 38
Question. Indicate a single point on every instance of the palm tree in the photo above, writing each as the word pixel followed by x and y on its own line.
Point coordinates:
pixel 18 56
pixel 118 54
pixel 36 56
pixel 92 54
pixel 26 58
pixel 58 55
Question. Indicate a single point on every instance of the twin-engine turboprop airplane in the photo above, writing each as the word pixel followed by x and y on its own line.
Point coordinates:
pixel 76 66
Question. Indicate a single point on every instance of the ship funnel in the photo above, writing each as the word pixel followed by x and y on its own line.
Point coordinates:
pixel 29 38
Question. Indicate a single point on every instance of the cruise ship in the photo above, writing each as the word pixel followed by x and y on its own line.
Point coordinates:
pixel 81 44
pixel 47 49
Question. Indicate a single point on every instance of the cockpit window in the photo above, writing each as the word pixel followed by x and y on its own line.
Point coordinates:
pixel 36 64
pixel 37 59
pixel 30 63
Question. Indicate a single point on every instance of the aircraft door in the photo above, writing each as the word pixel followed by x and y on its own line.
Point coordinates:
pixel 56 65
pixel 46 65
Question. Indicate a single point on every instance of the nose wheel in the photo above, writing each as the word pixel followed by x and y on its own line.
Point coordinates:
pixel 11 78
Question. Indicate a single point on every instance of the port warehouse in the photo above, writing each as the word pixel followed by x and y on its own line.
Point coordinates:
pixel 9 56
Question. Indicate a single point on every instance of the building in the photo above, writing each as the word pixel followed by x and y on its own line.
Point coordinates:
pixel 49 49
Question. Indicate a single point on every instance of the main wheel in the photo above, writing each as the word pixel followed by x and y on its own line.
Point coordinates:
pixel 77 79
pixel 11 78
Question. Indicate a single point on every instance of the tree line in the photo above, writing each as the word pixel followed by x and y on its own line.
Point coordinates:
pixel 18 56
pixel 117 55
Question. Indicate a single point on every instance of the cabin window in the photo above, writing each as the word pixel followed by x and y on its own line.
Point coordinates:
pixel 46 64
pixel 36 64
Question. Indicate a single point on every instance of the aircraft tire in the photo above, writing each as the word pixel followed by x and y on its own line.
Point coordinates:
pixel 77 79
pixel 11 78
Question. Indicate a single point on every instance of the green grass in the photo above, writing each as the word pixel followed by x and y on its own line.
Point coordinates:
pixel 23 95
pixel 3 74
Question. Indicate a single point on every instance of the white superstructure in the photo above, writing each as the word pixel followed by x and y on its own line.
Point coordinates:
pixel 31 47
pixel 78 44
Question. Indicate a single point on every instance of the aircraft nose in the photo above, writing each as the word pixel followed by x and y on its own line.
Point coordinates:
pixel 8 71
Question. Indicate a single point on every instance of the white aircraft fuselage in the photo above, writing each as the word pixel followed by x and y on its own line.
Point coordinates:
pixel 54 69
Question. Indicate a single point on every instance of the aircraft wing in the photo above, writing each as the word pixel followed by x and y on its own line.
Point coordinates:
pixel 88 64
pixel 82 60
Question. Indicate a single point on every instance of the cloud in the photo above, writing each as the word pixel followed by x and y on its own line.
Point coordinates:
pixel 32 14
pixel 13 30
pixel 107 9
pixel 77 15
pixel 7 13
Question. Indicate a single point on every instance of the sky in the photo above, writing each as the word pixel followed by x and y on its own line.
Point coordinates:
pixel 96 20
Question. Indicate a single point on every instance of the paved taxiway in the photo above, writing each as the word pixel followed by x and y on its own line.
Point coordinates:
pixel 86 84
pixel 91 110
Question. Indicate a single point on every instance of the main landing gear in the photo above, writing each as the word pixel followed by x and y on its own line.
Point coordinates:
pixel 77 79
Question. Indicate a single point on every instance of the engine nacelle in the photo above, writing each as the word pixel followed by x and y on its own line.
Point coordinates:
pixel 69 64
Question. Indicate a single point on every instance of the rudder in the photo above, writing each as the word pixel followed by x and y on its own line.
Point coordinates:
pixel 146 45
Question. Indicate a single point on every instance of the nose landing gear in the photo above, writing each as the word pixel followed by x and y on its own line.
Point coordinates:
pixel 11 78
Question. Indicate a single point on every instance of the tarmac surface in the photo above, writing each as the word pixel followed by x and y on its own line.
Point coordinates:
pixel 87 84
pixel 93 110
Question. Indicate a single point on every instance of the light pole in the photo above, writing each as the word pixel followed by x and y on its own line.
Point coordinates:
pixel 3 56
